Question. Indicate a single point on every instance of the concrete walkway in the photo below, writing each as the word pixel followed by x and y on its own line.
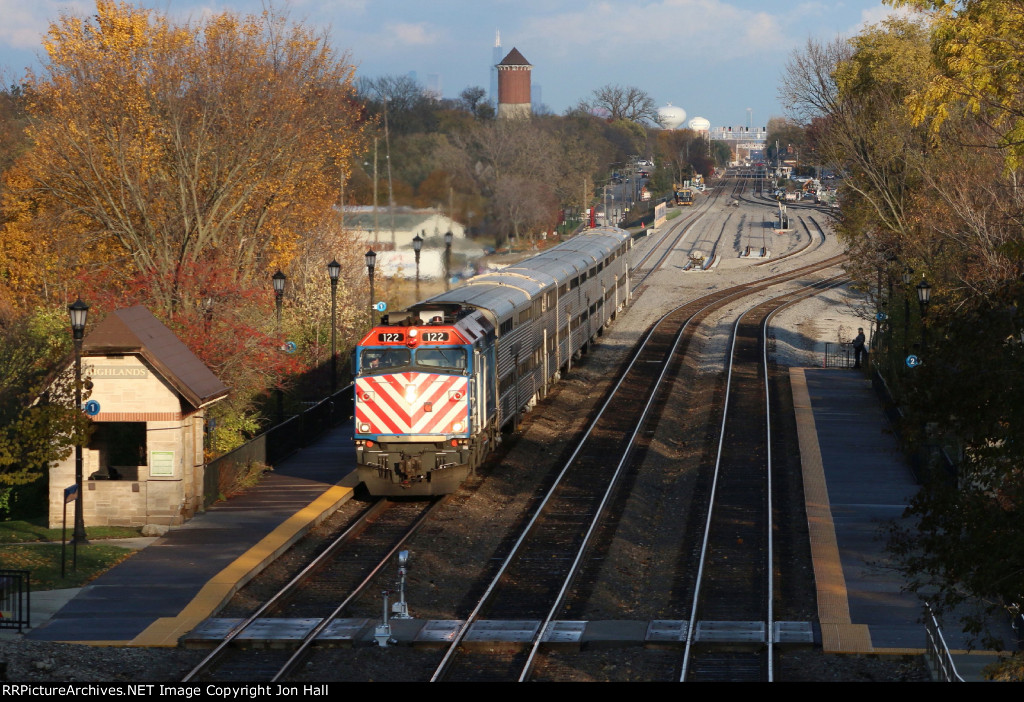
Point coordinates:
pixel 856 481
pixel 183 577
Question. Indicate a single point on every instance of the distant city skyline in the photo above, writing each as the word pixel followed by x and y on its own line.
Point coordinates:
pixel 718 59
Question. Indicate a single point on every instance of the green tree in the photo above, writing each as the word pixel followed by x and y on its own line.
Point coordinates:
pixel 38 422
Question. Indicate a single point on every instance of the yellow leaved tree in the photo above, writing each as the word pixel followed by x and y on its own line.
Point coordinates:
pixel 177 147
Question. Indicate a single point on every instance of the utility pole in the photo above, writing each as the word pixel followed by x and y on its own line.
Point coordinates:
pixel 376 223
pixel 391 190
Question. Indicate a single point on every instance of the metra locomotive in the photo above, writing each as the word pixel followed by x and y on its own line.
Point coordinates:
pixel 435 387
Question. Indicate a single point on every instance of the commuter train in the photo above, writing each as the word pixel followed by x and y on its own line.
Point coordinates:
pixel 436 385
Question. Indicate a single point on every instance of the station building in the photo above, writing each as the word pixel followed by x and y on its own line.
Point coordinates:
pixel 144 465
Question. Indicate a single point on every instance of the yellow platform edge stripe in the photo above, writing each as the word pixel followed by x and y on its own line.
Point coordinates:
pixel 838 633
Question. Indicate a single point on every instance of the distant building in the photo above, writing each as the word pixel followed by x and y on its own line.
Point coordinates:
pixel 433 89
pixel 395 254
pixel 514 86
pixel 495 60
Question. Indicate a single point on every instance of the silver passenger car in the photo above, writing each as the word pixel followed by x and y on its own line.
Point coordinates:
pixel 546 310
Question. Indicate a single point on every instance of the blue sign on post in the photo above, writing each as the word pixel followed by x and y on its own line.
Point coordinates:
pixel 381 306
pixel 92 408
pixel 290 347
pixel 881 316
pixel 70 493
pixel 913 361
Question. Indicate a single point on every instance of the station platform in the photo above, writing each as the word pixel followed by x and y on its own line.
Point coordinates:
pixel 180 579
pixel 856 480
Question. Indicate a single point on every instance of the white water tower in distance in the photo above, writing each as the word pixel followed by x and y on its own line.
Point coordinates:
pixel 670 116
pixel 699 124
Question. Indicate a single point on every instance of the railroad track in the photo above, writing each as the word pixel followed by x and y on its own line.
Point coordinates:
pixel 534 579
pixel 316 596
pixel 733 590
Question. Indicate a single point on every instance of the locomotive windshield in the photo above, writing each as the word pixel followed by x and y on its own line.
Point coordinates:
pixel 441 358
pixel 380 359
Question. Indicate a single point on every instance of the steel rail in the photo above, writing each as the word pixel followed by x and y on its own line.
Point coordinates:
pixel 312 635
pixel 721 298
pixel 357 527
pixel 780 302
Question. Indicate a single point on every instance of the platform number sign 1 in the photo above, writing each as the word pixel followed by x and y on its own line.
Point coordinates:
pixel 92 408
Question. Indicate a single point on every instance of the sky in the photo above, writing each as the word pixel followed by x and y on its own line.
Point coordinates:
pixel 718 59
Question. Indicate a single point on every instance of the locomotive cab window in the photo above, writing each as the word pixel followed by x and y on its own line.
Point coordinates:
pixel 441 358
pixel 380 359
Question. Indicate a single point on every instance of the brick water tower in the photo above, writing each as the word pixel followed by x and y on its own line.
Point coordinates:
pixel 514 86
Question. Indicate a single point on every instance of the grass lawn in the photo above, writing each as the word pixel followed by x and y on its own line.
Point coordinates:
pixel 29 545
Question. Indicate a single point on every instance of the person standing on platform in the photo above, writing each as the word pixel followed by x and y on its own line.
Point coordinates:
pixel 858 347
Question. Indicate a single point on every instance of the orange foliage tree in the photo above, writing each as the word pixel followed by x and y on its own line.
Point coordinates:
pixel 171 141
pixel 177 165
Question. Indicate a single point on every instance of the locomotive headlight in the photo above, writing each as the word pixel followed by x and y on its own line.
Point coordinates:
pixel 413 332
pixel 457 426
pixel 364 428
pixel 410 393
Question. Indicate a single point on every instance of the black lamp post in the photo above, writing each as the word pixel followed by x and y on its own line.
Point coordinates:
pixel 334 270
pixel 417 246
pixel 371 263
pixel 278 281
pixel 79 312
pixel 447 259
pixel 924 297
pixel 908 274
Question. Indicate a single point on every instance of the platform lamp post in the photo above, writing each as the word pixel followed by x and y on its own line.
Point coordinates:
pixel 417 246
pixel 447 259
pixel 79 312
pixel 334 270
pixel 908 276
pixel 278 280
pixel 924 297
pixel 371 263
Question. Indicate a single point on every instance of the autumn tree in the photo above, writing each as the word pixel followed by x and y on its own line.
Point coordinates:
pixel 181 164
pixel 177 145
pixel 979 50
pixel 507 160
pixel 920 120
pixel 677 149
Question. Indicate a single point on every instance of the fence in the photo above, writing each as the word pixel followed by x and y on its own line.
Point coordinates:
pixel 278 442
pixel 838 355
pixel 937 654
pixel 15 598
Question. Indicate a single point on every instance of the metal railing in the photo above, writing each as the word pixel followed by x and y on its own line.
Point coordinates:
pixel 838 355
pixel 937 654
pixel 15 599
pixel 278 442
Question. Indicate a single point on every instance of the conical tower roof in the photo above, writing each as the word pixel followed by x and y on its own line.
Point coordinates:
pixel 514 58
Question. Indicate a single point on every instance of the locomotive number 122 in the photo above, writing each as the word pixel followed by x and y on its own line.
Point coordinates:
pixel 435 337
